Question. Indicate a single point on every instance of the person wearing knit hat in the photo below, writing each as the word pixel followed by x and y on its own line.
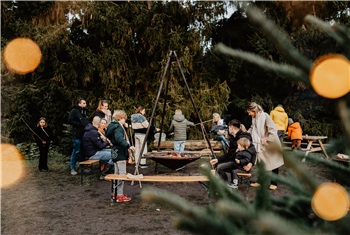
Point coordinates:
pixel 295 133
pixel 290 121
pixel 280 118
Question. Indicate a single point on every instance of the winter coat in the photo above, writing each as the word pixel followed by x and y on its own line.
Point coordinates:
pixel 231 153
pixel 294 131
pixel 263 128
pixel 99 113
pixel 178 125
pixel 78 119
pixel 45 134
pixel 280 118
pixel 139 123
pixel 115 133
pixel 245 156
pixel 215 129
pixel 92 141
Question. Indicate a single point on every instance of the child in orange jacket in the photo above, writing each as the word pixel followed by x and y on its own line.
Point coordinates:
pixel 295 133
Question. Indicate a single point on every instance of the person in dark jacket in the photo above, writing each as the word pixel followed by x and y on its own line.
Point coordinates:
pixel 117 135
pixel 178 125
pixel 94 147
pixel 78 119
pixel 245 152
pixel 43 138
pixel 226 163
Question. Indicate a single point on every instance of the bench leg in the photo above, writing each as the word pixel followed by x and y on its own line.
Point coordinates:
pixel 81 174
pixel 114 191
pixel 246 181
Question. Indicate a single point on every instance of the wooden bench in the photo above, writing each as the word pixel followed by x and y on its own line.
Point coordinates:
pixel 153 178
pixel 244 178
pixel 87 164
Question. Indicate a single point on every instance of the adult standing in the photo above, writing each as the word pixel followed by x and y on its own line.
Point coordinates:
pixel 265 139
pixel 226 163
pixel 102 111
pixel 140 124
pixel 117 135
pixel 280 118
pixel 43 138
pixel 78 119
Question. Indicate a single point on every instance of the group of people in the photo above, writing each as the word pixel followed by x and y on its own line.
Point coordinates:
pixel 105 138
pixel 261 142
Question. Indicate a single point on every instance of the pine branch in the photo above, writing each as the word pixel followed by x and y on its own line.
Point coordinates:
pixel 284 70
pixel 338 32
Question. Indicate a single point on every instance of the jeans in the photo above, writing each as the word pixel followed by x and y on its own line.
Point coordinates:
pixel 223 141
pixel 76 151
pixel 103 155
pixel 179 146
pixel 139 139
pixel 120 169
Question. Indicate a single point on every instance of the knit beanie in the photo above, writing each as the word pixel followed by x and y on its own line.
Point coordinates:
pixel 290 121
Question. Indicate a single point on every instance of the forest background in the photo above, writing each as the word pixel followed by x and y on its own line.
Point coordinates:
pixel 117 51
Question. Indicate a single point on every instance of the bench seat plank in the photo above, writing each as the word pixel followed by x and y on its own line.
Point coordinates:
pixel 88 162
pixel 160 178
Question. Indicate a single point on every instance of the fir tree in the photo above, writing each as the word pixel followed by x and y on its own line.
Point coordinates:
pixel 291 214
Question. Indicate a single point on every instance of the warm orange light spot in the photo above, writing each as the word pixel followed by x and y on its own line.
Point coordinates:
pixel 330 201
pixel 12 167
pixel 330 76
pixel 22 55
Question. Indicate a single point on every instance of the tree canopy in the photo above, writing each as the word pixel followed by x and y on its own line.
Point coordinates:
pixel 117 51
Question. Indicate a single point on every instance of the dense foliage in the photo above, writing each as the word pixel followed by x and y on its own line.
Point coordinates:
pixel 118 50
pixel 109 50
pixel 268 213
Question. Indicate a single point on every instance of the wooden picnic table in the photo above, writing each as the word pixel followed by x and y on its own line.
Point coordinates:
pixel 315 139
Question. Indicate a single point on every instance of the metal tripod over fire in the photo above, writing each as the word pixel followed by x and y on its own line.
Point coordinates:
pixel 172 56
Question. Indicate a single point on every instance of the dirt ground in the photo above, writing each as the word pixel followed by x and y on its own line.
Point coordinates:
pixel 56 203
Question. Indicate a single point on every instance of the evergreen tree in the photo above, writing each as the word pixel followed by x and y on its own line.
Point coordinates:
pixel 293 213
pixel 109 50
pixel 316 114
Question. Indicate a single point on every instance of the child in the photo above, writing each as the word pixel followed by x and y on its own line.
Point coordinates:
pixel 295 133
pixel 43 138
pixel 243 157
pixel 116 133
pixel 178 125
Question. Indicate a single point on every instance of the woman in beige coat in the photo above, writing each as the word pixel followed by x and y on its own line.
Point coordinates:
pixel 265 140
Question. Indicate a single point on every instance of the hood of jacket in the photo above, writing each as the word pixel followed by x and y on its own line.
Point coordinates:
pixel 137 117
pixel 179 118
pixel 251 149
pixel 295 125
pixel 279 109
pixel 111 127
pixel 79 109
pixel 90 127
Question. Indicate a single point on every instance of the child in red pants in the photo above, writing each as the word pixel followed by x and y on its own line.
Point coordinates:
pixel 295 133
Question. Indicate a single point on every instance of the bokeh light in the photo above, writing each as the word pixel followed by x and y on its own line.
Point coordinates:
pixel 330 76
pixel 330 201
pixel 22 55
pixel 12 165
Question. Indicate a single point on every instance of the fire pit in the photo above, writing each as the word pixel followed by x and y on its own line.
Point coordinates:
pixel 172 159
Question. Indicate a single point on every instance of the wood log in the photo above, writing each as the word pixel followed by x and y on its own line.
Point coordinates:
pixel 191 144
